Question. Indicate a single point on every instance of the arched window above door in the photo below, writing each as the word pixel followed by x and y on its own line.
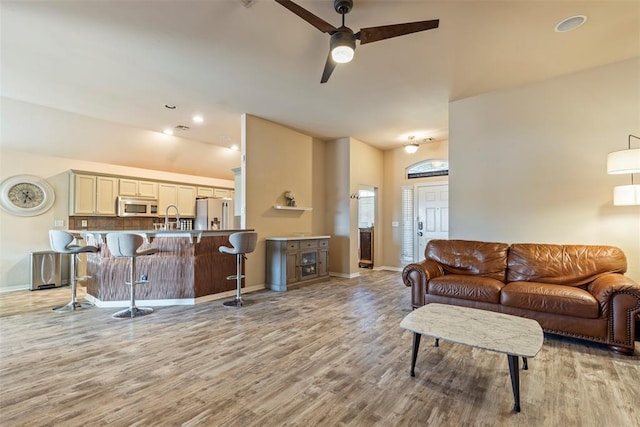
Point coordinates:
pixel 427 168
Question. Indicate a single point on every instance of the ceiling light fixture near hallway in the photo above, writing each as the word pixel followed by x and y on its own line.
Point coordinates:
pixel 168 131
pixel 170 106
pixel 570 23
pixel 197 118
pixel 182 127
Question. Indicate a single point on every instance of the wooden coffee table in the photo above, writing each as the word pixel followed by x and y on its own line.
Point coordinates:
pixel 514 336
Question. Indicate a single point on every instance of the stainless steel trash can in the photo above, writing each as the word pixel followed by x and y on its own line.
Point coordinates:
pixel 49 270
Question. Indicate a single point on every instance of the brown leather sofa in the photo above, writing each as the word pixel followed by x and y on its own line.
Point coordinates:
pixel 578 291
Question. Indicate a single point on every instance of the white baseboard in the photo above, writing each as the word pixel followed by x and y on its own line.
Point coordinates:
pixel 388 268
pixel 15 288
pixel 178 301
pixel 345 276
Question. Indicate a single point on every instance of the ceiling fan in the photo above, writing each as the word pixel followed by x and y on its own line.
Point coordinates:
pixel 343 39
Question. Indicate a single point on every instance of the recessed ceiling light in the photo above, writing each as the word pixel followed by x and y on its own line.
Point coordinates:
pixel 169 106
pixel 198 118
pixel 168 131
pixel 234 147
pixel 570 23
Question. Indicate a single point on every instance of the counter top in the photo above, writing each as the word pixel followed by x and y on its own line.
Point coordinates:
pixel 151 234
pixel 297 238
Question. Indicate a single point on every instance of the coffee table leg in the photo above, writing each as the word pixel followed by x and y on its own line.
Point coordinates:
pixel 414 355
pixel 514 362
pixel 525 365
pixel 437 343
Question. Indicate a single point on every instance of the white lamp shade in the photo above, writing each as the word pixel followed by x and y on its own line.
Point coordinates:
pixel 624 161
pixel 626 195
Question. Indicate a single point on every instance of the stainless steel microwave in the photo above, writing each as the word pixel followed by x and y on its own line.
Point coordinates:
pixel 137 206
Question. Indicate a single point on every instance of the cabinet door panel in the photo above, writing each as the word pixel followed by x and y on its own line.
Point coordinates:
pixel 167 195
pixel 205 192
pixel 187 200
pixel 106 193
pixel 85 194
pixel 323 262
pixel 292 267
pixel 147 189
pixel 128 187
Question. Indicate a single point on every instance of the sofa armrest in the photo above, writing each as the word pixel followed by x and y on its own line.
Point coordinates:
pixel 605 287
pixel 417 275
pixel 619 300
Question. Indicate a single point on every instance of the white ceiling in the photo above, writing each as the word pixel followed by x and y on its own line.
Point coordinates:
pixel 121 61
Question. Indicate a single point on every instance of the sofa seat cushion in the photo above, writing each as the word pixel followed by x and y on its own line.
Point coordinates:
pixel 476 288
pixel 543 297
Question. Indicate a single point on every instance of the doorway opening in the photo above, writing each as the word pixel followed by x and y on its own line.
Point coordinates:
pixel 366 222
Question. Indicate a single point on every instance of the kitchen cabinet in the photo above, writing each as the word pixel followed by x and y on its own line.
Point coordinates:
pixel 293 261
pixel 205 192
pixel 183 196
pixel 92 195
pixel 134 187
pixel 220 192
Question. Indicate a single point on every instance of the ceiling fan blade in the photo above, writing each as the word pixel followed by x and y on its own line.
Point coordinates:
pixel 312 19
pixel 329 66
pixel 374 34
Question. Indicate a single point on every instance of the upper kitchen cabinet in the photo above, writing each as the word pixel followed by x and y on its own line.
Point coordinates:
pixel 92 195
pixel 134 187
pixel 183 196
pixel 221 192
pixel 205 192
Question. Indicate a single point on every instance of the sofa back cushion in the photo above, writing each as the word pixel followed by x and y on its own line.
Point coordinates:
pixel 572 265
pixel 469 257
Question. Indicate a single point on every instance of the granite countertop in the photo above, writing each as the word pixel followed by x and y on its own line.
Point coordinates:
pixel 297 238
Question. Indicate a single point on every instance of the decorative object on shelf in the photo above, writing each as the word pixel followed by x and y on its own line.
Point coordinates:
pixel 625 162
pixel 291 198
pixel 26 195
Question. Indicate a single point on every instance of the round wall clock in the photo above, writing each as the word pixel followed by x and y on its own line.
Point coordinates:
pixel 26 195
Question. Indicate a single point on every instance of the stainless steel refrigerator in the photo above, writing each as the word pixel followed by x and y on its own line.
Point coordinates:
pixel 215 214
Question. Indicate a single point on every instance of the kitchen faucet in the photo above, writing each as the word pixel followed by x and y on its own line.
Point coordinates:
pixel 166 217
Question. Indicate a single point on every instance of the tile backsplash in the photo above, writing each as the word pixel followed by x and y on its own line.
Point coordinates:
pixel 112 223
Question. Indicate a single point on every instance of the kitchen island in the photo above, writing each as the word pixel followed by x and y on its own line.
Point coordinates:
pixel 187 266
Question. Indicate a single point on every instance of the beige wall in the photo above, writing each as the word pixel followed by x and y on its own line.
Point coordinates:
pixel 337 210
pixel 529 164
pixel 19 236
pixel 277 159
pixel 395 164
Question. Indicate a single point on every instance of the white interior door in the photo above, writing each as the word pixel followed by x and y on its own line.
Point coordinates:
pixel 432 215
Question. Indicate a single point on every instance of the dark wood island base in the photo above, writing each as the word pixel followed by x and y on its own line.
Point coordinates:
pixel 188 265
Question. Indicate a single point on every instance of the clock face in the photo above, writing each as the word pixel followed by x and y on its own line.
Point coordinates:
pixel 26 195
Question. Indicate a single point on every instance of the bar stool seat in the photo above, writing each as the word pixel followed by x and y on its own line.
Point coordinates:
pixel 61 242
pixel 127 245
pixel 243 243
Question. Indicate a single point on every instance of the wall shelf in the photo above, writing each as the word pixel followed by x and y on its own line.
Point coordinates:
pixel 291 208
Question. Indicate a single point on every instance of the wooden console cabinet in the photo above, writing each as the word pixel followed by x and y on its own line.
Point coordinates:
pixel 293 261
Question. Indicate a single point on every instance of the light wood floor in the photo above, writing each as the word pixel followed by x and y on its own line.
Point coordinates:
pixel 327 354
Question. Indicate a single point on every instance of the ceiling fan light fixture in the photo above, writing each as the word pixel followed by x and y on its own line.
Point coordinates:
pixel 411 148
pixel 343 45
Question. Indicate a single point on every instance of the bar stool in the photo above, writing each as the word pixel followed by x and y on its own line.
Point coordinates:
pixel 126 245
pixel 60 242
pixel 243 243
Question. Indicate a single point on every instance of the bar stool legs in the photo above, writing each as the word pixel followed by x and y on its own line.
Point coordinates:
pixel 238 301
pixel 127 245
pixel 73 305
pixel 242 243
pixel 133 311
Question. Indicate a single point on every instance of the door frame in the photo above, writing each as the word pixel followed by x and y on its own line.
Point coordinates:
pixel 416 241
